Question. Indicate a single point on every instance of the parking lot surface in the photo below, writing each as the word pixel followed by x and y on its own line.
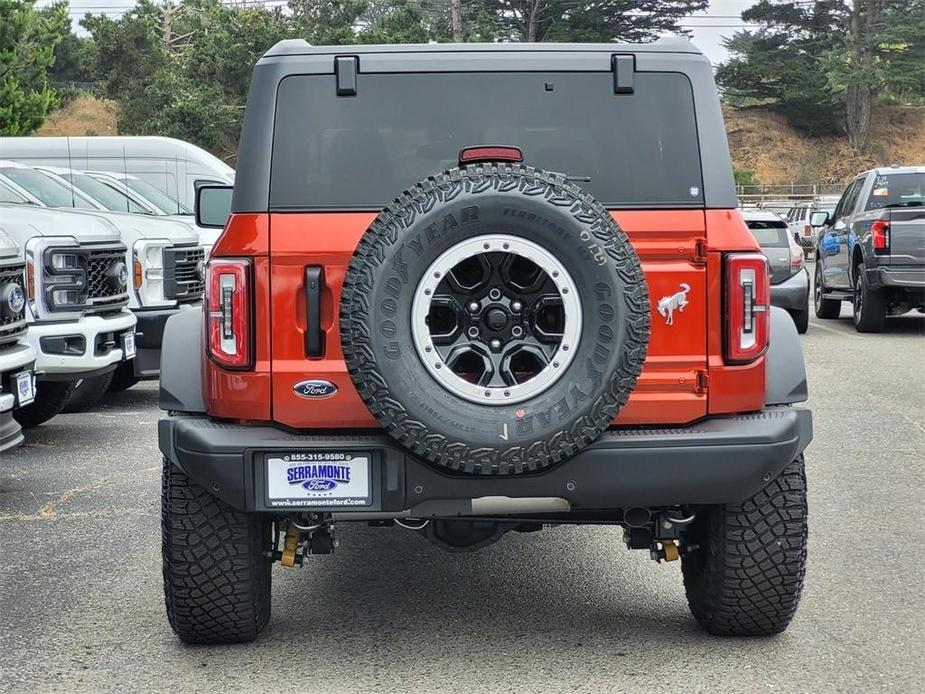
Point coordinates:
pixel 567 609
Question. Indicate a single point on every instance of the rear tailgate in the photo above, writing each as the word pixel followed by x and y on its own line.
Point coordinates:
pixel 637 152
pixel 671 389
pixel 907 237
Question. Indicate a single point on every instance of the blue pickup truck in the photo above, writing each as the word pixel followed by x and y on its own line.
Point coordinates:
pixel 871 249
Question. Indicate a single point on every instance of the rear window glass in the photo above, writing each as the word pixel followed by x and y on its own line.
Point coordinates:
pixel 773 234
pixel 897 190
pixel 637 149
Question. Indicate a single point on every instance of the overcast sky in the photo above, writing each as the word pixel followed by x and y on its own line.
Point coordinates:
pixel 708 28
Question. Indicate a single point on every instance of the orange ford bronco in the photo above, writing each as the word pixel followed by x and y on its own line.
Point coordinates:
pixel 470 289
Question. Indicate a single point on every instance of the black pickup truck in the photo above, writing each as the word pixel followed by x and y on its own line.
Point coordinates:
pixel 871 250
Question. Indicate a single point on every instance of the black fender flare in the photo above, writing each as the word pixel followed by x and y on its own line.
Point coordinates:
pixel 181 363
pixel 785 370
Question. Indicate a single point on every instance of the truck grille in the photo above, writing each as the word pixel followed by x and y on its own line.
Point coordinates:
pixel 184 273
pixel 94 280
pixel 11 325
pixel 104 295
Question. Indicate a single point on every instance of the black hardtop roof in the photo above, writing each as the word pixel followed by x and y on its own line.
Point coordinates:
pixel 297 58
pixel 301 47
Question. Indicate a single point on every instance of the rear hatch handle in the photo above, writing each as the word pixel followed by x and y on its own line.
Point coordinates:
pixel 314 336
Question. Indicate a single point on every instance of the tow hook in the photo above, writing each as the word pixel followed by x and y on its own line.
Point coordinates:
pixel 664 550
pixel 302 540
pixel 666 537
pixel 291 547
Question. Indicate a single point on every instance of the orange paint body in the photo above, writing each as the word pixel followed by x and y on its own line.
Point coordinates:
pixel 684 378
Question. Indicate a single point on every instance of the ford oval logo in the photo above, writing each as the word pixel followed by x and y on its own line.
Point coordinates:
pixel 319 485
pixel 314 390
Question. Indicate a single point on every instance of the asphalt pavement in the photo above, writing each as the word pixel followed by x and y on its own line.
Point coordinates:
pixel 567 609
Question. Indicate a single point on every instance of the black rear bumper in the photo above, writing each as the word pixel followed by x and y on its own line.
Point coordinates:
pixel 897 277
pixel 717 460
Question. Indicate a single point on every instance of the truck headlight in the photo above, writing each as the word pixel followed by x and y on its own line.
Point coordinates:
pixel 65 297
pixel 64 279
pixel 148 272
pixel 64 261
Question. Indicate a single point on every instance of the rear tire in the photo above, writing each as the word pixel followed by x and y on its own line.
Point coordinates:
pixel 88 393
pixel 216 570
pixel 50 399
pixel 825 308
pixel 746 576
pixel 123 378
pixel 869 305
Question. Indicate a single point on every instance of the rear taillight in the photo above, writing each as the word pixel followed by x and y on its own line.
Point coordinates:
pixel 748 292
pixel 880 235
pixel 807 230
pixel 796 259
pixel 229 319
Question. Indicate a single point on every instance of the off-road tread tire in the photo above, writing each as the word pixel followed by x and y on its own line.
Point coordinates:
pixel 50 399
pixel 123 378
pixel 826 309
pixel 216 573
pixel 747 575
pixel 387 230
pixel 801 320
pixel 872 318
pixel 88 393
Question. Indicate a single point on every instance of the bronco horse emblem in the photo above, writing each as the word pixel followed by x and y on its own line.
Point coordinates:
pixel 668 304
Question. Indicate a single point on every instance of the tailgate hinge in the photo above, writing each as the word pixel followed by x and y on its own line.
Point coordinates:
pixel 702 382
pixel 624 70
pixel 700 251
pixel 346 68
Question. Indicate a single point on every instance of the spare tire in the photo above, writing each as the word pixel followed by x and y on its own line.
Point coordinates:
pixel 494 319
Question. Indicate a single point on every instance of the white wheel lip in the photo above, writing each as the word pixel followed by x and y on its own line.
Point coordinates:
pixel 562 358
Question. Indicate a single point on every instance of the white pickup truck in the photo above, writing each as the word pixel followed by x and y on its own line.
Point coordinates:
pixel 165 259
pixel 17 381
pixel 77 296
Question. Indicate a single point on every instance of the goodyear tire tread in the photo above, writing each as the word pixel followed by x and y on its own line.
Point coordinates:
pixel 216 573
pixel 387 406
pixel 746 577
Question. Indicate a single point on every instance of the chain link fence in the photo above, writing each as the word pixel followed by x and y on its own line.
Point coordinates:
pixel 797 192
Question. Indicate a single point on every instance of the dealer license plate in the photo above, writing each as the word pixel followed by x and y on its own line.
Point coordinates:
pixel 128 345
pixel 326 478
pixel 25 388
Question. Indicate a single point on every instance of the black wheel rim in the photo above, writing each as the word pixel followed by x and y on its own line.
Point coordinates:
pixel 496 319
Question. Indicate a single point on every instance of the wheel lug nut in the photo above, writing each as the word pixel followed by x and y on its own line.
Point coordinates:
pixel 473 331
pixel 494 294
pixel 495 344
pixel 517 306
pixel 473 306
